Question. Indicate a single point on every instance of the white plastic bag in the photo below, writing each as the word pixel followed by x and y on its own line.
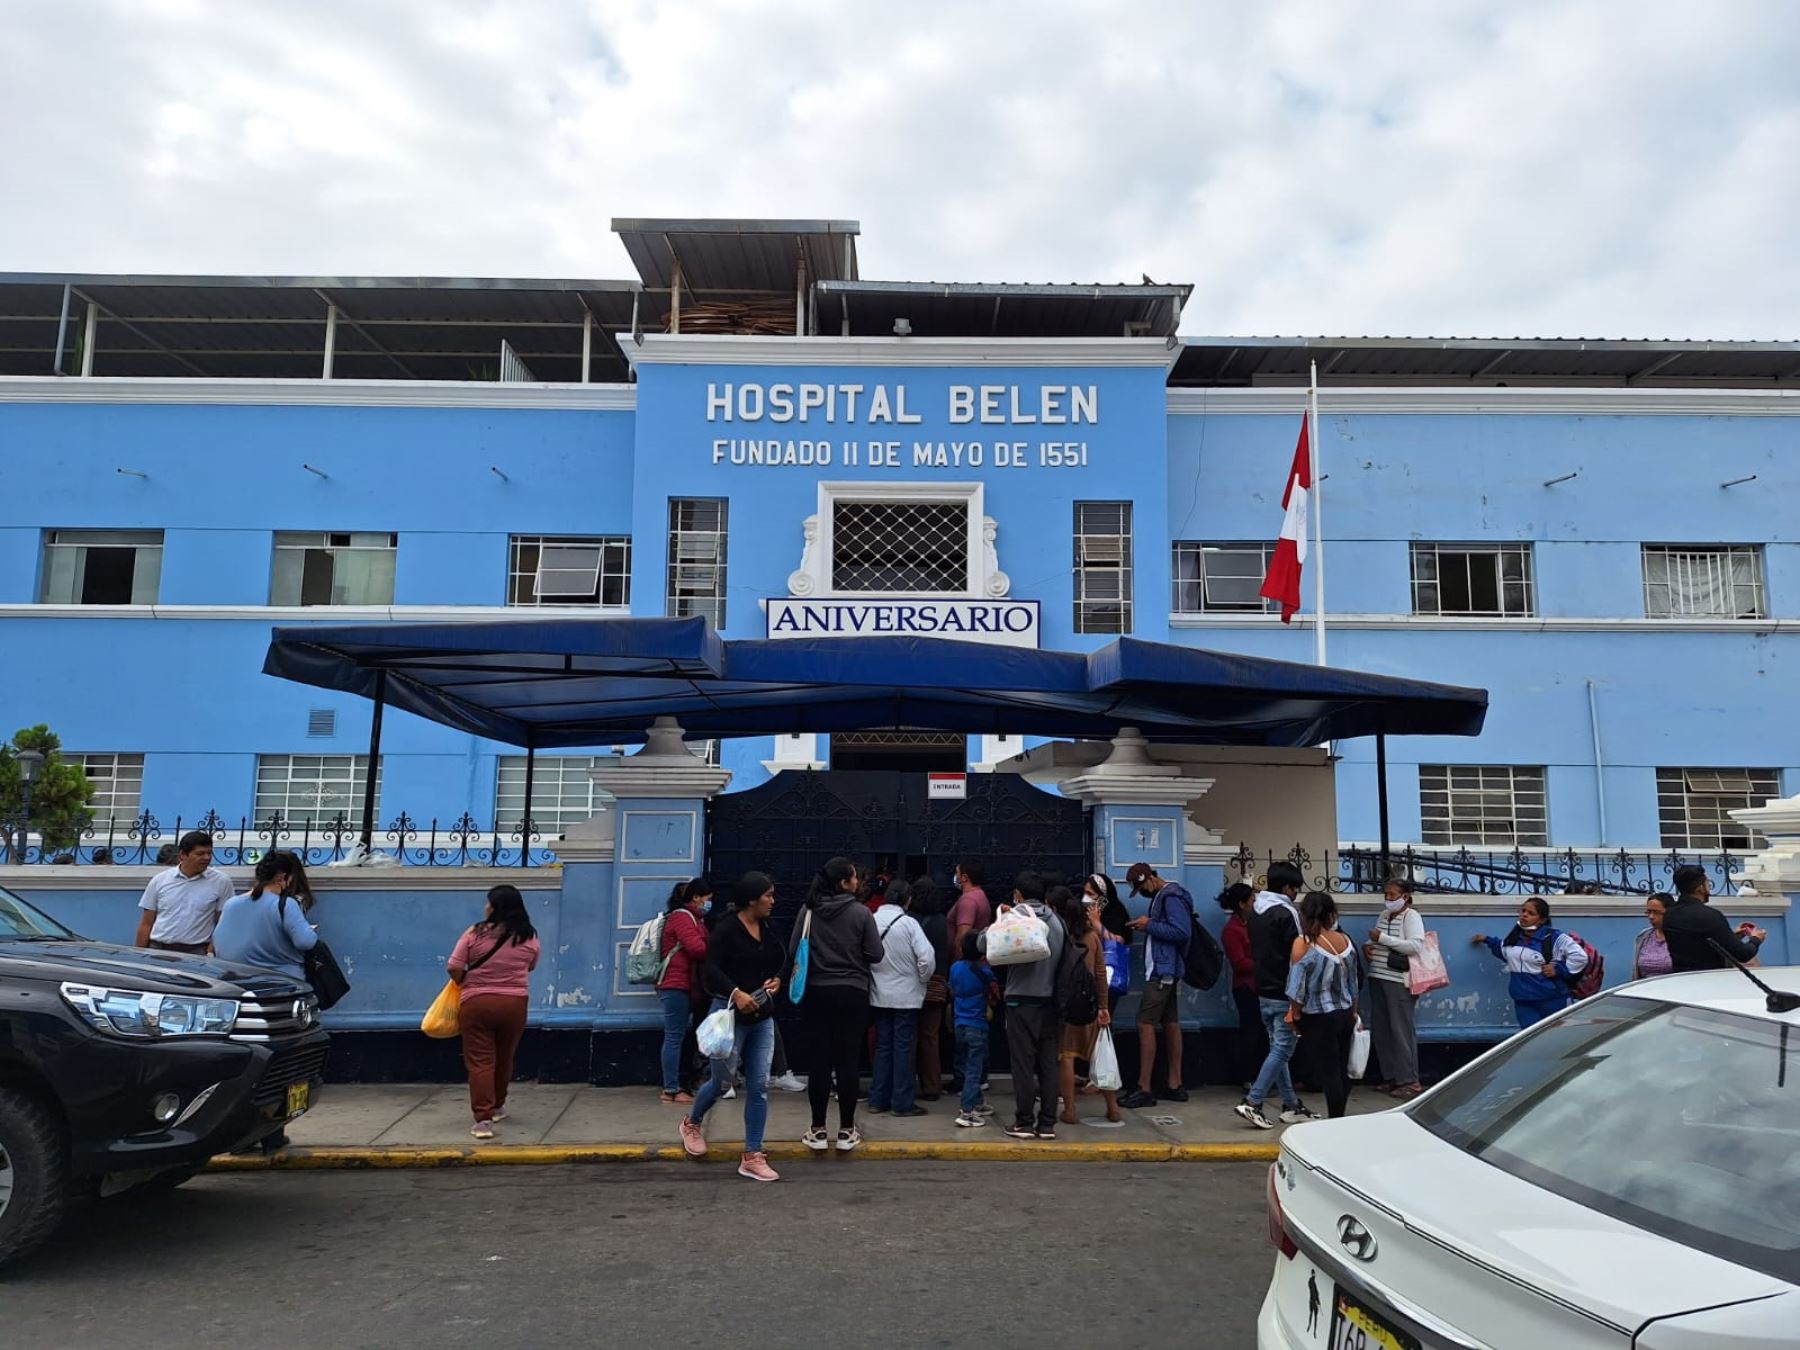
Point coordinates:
pixel 718 1034
pixel 1103 1070
pixel 1018 937
pixel 1359 1050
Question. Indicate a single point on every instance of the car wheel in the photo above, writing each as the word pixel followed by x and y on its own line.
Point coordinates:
pixel 34 1165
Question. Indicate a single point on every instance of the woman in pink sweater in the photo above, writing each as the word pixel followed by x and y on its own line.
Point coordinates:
pixel 492 963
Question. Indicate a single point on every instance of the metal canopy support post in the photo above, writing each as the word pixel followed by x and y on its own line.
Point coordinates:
pixel 525 816
pixel 675 297
pixel 331 313
pixel 62 329
pixel 89 330
pixel 587 344
pixel 1382 793
pixel 800 295
pixel 374 769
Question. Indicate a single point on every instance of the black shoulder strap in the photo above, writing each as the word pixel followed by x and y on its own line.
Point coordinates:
pixel 486 956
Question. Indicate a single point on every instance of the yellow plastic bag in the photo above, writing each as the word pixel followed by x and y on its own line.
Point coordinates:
pixel 443 1019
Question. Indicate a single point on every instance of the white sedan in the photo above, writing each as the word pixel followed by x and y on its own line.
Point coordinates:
pixel 1625 1175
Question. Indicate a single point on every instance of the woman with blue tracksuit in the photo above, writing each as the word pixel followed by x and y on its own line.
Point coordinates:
pixel 1541 962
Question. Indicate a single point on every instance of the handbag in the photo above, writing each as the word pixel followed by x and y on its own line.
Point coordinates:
pixel 1426 971
pixel 1017 938
pixel 323 973
pixel 443 1019
pixel 802 960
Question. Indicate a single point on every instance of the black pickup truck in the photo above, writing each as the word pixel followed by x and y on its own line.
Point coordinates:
pixel 122 1067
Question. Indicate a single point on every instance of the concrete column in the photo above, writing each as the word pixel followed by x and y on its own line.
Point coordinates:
pixel 798 751
pixel 1775 871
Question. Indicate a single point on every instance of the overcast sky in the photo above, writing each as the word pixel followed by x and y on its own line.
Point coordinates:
pixel 1592 168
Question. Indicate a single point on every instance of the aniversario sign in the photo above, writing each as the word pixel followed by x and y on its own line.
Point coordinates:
pixel 1001 623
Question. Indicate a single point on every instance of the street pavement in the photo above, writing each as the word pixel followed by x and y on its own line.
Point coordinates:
pixel 661 1254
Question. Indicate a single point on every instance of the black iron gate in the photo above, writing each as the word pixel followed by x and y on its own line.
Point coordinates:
pixel 885 820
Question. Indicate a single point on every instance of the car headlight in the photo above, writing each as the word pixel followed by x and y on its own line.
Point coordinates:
pixel 132 1012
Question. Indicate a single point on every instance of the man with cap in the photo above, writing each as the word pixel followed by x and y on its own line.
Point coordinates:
pixel 1169 927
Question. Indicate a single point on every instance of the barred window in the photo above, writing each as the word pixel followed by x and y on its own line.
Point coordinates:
pixel 698 530
pixel 333 569
pixel 899 548
pixel 118 783
pixel 1219 578
pixel 1102 567
pixel 313 787
pixel 1694 806
pixel 551 569
pixel 101 567
pixel 1476 579
pixel 1482 804
pixel 562 792
pixel 1722 581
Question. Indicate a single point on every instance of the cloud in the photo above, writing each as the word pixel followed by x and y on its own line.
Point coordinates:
pixel 1591 168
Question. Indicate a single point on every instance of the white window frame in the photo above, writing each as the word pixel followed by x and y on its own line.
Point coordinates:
pixel 676 604
pixel 614 546
pixel 985 580
pixel 322 541
pixel 1484 806
pixel 1718 557
pixel 109 771
pixel 146 567
pixel 1261 550
pixel 1086 554
pixel 1437 549
pixel 1679 790
pixel 323 771
pixel 563 790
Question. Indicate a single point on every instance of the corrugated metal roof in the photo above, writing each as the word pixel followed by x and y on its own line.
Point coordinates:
pixel 725 257
pixel 1002 310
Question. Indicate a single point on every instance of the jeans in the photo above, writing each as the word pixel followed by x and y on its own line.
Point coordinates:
pixel 891 1082
pixel 676 1012
pixel 971 1063
pixel 1282 1040
pixel 1532 1011
pixel 1327 1037
pixel 754 1048
pixel 1031 1036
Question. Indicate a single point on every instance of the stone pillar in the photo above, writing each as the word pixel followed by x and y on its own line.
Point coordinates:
pixel 1774 872
pixel 618 868
pixel 1140 811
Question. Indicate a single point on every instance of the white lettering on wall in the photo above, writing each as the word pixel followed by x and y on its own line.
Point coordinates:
pixel 993 404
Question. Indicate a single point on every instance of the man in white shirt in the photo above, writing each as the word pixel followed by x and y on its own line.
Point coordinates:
pixel 180 906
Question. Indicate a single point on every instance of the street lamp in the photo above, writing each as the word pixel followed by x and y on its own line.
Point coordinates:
pixel 30 763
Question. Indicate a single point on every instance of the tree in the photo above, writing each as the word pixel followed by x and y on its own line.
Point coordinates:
pixel 59 797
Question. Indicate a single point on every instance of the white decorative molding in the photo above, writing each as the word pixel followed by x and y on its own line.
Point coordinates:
pixel 1448 623
pixel 745 350
pixel 1774 870
pixel 813 579
pixel 319 613
pixel 325 880
pixel 592 840
pixel 1553 401
pixel 1206 849
pixel 994 751
pixel 995 584
pixel 320 393
pixel 664 767
pixel 1129 777
pixel 797 751
pixel 804 579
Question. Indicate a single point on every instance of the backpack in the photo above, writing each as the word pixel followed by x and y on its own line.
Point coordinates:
pixel 1204 960
pixel 1589 979
pixel 1077 995
pixel 644 961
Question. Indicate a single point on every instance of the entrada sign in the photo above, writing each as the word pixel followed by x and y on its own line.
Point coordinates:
pixel 1002 623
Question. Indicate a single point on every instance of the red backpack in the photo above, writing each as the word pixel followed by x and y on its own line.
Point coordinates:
pixel 1590 978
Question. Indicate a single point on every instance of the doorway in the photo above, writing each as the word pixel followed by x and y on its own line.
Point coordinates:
pixel 901 750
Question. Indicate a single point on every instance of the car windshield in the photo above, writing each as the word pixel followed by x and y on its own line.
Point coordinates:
pixel 20 920
pixel 1682 1121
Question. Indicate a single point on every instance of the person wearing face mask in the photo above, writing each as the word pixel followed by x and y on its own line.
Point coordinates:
pixel 1398 936
pixel 1541 962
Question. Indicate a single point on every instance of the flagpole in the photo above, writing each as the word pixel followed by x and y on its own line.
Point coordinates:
pixel 1318 529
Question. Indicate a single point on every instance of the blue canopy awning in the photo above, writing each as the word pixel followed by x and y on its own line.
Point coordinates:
pixel 579 682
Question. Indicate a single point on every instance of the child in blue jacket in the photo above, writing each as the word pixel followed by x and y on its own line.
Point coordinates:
pixel 972 990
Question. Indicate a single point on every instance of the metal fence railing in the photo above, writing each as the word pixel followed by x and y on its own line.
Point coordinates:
pixel 1358 868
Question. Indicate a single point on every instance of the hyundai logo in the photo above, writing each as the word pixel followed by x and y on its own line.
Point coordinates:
pixel 1355 1239
pixel 303 1013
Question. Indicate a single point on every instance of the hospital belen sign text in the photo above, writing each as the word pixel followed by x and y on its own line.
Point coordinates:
pixel 874 408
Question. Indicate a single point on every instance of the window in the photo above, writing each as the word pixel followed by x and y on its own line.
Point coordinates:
pixel 562 793
pixel 1473 579
pixel 312 787
pixel 333 569
pixel 1565 1108
pixel 697 547
pixel 1693 805
pixel 1102 567
pixel 118 783
pixel 1712 581
pixel 101 567
pixel 1482 804
pixel 899 547
pixel 1219 578
pixel 569 570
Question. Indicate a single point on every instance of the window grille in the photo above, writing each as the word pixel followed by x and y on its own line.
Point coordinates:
pixel 118 783
pixel 900 548
pixel 1474 579
pixel 333 569
pixel 1219 578
pixel 698 536
pixel 1482 804
pixel 1102 567
pixel 1722 581
pixel 101 567
pixel 569 570
pixel 312 787
pixel 1694 806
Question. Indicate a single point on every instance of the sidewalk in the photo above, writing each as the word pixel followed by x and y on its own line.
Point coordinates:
pixel 427 1125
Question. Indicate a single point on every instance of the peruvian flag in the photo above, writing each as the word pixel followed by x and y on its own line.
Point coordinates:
pixel 1283 581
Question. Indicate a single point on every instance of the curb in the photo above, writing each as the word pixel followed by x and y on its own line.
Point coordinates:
pixel 879 1150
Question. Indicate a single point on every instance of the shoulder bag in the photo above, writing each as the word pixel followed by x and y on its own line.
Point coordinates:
pixel 323 973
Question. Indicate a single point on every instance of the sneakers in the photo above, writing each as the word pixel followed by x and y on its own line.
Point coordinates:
pixel 913 1111
pixel 1252 1114
pixel 756 1167
pixel 729 1094
pixel 788 1082
pixel 1175 1094
pixel 483 1129
pixel 1017 1131
pixel 1046 1132
pixel 875 1110
pixel 693 1139
pixel 677 1099
pixel 1136 1099
pixel 848 1139
pixel 984 1110
pixel 499 1114
pixel 1295 1114
pixel 816 1140
pixel 971 1120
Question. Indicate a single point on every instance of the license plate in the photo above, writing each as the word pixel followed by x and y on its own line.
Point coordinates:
pixel 1354 1327
pixel 299 1097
